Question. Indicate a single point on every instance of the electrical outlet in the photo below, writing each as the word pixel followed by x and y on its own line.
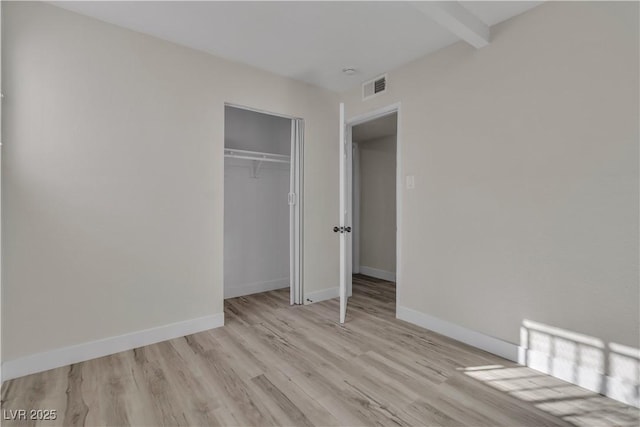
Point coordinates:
pixel 411 182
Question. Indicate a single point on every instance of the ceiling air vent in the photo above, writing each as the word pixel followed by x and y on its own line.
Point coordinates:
pixel 374 87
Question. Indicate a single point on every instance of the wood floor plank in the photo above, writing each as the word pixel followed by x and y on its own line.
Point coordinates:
pixel 432 415
pixel 272 394
pixel 199 407
pixel 77 409
pixel 238 397
pixel 273 364
pixel 168 410
pixel 312 409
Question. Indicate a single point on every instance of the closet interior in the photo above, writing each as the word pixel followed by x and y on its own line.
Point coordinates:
pixel 262 203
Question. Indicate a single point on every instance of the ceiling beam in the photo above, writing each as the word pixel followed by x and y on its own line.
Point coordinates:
pixel 458 20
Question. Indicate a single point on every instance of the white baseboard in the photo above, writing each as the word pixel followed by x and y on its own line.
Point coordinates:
pixel 322 295
pixel 476 339
pixel 618 388
pixel 622 389
pixel 377 273
pixel 91 350
pixel 254 288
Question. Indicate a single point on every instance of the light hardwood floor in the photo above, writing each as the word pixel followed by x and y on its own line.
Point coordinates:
pixel 272 364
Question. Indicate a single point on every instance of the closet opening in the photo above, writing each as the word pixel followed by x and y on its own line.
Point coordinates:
pixel 374 188
pixel 262 204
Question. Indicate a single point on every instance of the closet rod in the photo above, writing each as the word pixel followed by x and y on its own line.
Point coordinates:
pixel 256 155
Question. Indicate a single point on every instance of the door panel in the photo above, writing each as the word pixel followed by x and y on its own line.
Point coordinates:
pixel 345 154
pixel 293 285
pixel 295 212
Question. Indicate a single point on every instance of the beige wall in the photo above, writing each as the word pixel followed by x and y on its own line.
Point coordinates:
pixel 378 203
pixel 113 178
pixel 525 156
pixel 1 286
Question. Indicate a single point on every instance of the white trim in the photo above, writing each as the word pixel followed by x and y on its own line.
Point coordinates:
pixel 355 208
pixel 296 294
pixel 399 199
pixel 372 115
pixel 377 273
pixel 293 285
pixel 459 333
pixel 296 211
pixel 298 278
pixel 348 151
pixel 258 110
pixel 300 211
pixel 621 389
pixel 375 114
pixel 256 287
pixel 93 349
pixel 322 295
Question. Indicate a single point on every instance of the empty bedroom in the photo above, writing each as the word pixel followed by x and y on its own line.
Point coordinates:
pixel 318 213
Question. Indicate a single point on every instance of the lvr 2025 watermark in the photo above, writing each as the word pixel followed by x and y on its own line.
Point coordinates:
pixel 29 414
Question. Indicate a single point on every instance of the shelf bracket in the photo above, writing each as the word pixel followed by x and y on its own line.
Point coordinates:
pixel 255 169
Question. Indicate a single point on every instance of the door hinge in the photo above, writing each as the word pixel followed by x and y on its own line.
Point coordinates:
pixel 292 199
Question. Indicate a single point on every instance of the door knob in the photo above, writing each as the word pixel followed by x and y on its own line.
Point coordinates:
pixel 336 229
pixel 347 229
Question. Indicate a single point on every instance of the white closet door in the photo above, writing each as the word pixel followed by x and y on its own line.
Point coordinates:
pixel 295 212
pixel 345 153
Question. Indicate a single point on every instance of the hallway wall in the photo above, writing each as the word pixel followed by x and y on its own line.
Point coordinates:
pixel 378 205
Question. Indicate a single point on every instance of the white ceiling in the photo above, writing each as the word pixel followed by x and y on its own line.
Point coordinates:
pixel 309 41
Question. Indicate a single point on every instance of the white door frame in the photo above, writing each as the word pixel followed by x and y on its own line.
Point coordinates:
pixel 367 117
pixel 296 182
pixel 296 213
pixel 355 208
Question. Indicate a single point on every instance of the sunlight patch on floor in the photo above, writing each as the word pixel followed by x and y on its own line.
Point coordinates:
pixel 554 396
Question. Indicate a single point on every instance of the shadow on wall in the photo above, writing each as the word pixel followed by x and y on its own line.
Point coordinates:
pixel 610 369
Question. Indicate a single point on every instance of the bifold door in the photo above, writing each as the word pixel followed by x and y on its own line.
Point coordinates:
pixel 295 211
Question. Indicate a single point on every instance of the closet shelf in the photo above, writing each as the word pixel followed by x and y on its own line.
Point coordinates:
pixel 256 155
